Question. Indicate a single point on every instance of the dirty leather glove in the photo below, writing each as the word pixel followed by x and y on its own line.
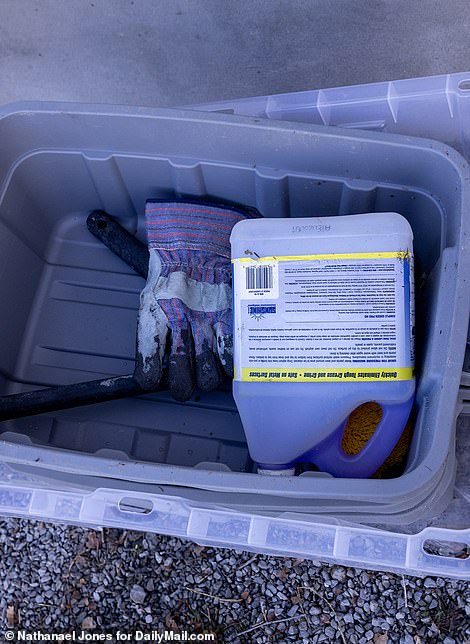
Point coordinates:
pixel 187 300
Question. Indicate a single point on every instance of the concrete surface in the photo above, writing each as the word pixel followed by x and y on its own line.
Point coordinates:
pixel 167 52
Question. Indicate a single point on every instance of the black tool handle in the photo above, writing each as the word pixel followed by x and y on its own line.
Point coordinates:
pixel 41 401
pixel 119 240
pixel 135 254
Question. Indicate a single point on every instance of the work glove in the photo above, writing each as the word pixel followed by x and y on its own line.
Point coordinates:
pixel 186 303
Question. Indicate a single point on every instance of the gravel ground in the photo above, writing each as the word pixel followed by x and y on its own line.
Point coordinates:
pixel 82 579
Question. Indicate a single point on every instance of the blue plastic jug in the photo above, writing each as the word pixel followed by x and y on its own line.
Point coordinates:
pixel 323 322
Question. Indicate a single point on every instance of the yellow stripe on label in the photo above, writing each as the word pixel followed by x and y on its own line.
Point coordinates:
pixel 296 258
pixel 367 374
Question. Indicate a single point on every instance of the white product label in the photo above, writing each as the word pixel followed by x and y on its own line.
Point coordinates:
pixel 324 318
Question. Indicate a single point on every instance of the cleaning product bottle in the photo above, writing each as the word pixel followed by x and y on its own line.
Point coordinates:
pixel 323 322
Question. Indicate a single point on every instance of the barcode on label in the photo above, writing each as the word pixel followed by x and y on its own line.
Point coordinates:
pixel 259 277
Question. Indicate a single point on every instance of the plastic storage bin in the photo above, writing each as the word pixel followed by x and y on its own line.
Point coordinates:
pixel 72 305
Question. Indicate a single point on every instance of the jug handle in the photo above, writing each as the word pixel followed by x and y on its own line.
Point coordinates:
pixel 329 455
